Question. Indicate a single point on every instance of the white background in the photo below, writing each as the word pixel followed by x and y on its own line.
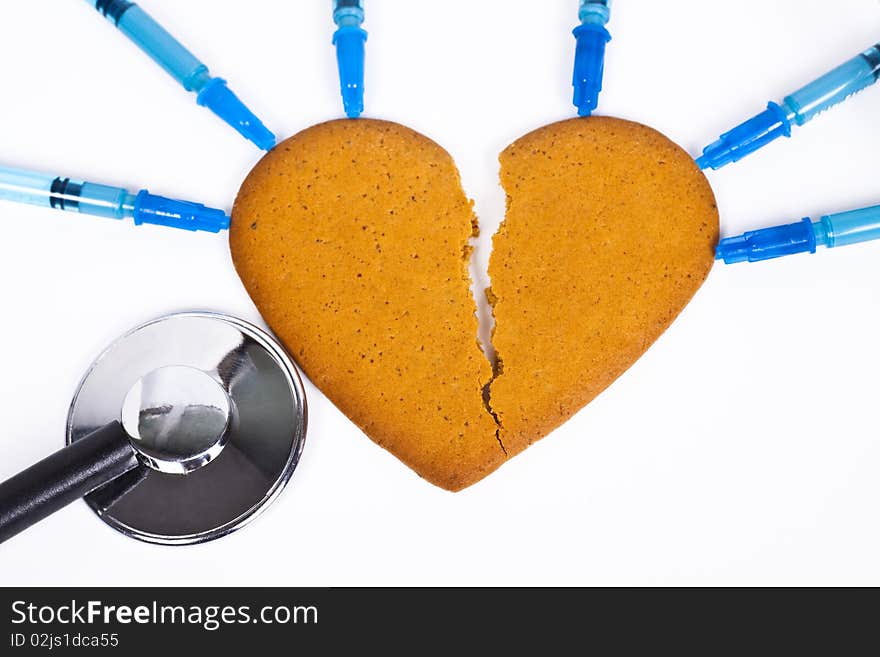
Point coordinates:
pixel 741 449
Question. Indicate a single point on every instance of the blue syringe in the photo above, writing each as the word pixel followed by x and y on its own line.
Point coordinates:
pixel 184 67
pixel 62 193
pixel 798 108
pixel 802 237
pixel 589 56
pixel 349 40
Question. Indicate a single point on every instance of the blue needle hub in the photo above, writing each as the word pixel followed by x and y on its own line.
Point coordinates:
pixel 350 40
pixel 589 57
pixel 221 100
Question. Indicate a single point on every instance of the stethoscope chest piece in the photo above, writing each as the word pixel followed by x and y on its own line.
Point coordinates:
pixel 215 414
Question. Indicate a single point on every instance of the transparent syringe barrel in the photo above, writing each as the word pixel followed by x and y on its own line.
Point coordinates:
pixel 25 186
pixel 852 227
pixel 833 87
pixel 348 12
pixel 594 11
pixel 154 40
pixel 63 193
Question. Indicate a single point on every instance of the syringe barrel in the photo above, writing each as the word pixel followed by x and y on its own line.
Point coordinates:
pixel 834 87
pixel 348 13
pixel 154 40
pixel 61 193
pixel 106 201
pixel 852 227
pixel 22 186
pixel 594 11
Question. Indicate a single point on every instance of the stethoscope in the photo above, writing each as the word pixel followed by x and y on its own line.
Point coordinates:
pixel 180 432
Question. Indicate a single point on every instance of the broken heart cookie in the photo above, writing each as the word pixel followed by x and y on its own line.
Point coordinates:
pixel 352 239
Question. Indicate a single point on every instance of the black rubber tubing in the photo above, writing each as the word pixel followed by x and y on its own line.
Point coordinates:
pixel 64 477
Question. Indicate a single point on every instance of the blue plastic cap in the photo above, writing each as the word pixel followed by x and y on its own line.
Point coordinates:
pixel 589 66
pixel 349 42
pixel 152 209
pixel 220 99
pixel 768 243
pixel 746 138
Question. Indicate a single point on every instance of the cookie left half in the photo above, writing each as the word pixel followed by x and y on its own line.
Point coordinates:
pixel 352 239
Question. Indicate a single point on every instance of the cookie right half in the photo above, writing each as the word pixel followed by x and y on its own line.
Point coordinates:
pixel 610 230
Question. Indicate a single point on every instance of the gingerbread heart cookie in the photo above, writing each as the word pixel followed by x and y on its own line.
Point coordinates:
pixel 352 239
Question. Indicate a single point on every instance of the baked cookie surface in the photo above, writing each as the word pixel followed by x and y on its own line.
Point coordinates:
pixel 352 239
pixel 610 230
